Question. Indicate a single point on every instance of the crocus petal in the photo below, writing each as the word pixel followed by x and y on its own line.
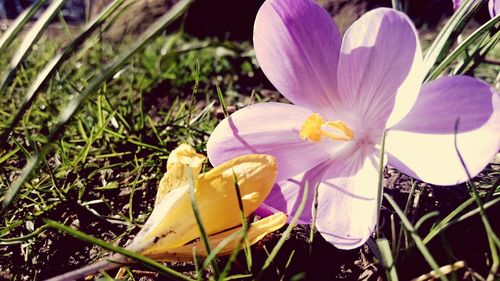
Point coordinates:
pixel 172 222
pixel 269 128
pixel 175 177
pixel 494 7
pixel 256 231
pixel 347 200
pixel 297 45
pixel 287 195
pixel 379 61
pixel 422 145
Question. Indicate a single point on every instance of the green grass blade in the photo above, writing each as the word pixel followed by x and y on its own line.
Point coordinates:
pixel 15 28
pixel 407 208
pixel 478 54
pixel 418 241
pixel 244 237
pixel 313 223
pixel 450 31
pixel 156 29
pixel 21 239
pixel 495 260
pixel 31 37
pixel 232 257
pixel 493 241
pixel 122 251
pixel 444 223
pixel 222 102
pixel 463 46
pixel 247 249
pixel 286 233
pixel 486 222
pixel 219 247
pixel 387 259
pixel 55 63
pixel 203 233
pixel 424 218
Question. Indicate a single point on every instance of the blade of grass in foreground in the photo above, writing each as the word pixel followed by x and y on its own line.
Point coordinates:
pixel 28 41
pixel 486 222
pixel 387 259
pixel 285 234
pixel 244 236
pixel 102 265
pixel 450 219
pixel 64 117
pixel 478 54
pixel 418 242
pixel 462 47
pixel 493 241
pixel 203 233
pixel 55 63
pixel 11 33
pixel 450 31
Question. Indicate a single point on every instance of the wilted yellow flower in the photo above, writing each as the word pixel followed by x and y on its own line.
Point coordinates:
pixel 171 232
pixel 171 229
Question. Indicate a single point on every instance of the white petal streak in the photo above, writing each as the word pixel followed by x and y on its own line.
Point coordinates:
pixel 347 200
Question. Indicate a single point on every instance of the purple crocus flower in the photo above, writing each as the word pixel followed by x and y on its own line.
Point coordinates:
pixel 345 94
pixel 493 6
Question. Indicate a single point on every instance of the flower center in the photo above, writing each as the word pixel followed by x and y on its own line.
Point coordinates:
pixel 315 127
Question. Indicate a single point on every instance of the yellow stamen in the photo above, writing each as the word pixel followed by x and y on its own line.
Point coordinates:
pixel 315 127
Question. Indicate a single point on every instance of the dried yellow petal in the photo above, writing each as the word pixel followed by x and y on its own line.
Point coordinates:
pixel 256 231
pixel 175 177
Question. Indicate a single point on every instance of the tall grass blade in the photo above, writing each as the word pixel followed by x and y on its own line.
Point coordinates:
pixel 64 117
pixel 55 63
pixel 122 252
pixel 244 237
pixel 450 31
pixel 424 218
pixel 407 208
pixel 450 218
pixel 28 41
pixel 203 233
pixel 493 241
pixel 418 241
pixel 313 223
pixel 247 249
pixel 222 102
pixel 489 230
pixel 286 233
pixel 17 26
pixel 462 47
pixel 220 246
pixel 387 259
pixel 478 54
